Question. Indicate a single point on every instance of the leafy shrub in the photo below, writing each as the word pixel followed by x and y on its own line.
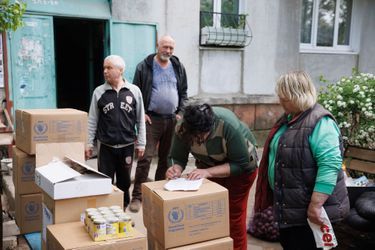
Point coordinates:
pixel 352 101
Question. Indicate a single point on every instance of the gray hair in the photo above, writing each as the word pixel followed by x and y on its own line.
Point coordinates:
pixel 297 87
pixel 117 61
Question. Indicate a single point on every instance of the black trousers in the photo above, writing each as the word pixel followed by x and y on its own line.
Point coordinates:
pixel 297 238
pixel 158 135
pixel 117 161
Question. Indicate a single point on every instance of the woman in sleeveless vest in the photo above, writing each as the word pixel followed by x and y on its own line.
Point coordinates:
pixel 300 172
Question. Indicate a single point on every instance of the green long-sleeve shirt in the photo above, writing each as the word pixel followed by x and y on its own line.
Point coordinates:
pixel 324 145
pixel 235 151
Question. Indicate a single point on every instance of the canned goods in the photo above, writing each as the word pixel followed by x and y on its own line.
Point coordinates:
pixel 112 226
pixel 88 216
pixel 115 211
pixel 125 224
pixel 119 214
pixel 106 212
pixel 115 208
pixel 90 223
pixel 91 209
pixel 100 209
pixel 99 228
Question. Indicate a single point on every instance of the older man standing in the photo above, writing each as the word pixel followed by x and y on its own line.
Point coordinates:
pixel 116 120
pixel 163 83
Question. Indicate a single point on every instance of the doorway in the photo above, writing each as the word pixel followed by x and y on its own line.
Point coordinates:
pixel 79 55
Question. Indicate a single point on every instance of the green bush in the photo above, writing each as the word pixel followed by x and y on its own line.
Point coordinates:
pixel 351 100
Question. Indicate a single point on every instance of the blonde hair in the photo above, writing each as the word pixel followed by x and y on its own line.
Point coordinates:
pixel 297 87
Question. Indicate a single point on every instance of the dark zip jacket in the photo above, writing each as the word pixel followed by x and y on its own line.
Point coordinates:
pixel 143 79
pixel 117 118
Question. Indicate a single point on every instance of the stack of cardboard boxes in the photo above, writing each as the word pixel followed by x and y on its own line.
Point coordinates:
pixel 69 188
pixel 39 126
pixel 186 220
pixel 64 188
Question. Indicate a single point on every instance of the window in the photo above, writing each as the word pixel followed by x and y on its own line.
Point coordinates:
pixel 326 24
pixel 220 13
pixel 222 25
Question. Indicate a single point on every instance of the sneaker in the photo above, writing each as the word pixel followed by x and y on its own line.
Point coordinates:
pixel 135 205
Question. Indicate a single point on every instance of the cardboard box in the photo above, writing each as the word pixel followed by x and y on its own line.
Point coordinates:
pixel 24 164
pixel 46 152
pixel 74 236
pixel 29 212
pixel 72 210
pixel 180 218
pixel 69 179
pixel 49 125
pixel 217 244
pixel 24 172
pixel 222 244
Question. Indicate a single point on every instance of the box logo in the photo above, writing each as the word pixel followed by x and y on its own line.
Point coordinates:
pixel 175 215
pixel 32 208
pixel 28 169
pixel 40 128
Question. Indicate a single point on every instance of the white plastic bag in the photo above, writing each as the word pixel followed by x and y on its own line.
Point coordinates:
pixel 324 236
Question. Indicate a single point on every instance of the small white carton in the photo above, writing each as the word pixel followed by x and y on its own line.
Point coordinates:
pixel 69 179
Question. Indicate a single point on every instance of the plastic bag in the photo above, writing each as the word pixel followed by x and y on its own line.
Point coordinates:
pixel 324 235
pixel 263 226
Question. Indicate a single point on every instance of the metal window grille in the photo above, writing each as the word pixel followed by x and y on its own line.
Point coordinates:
pixel 224 30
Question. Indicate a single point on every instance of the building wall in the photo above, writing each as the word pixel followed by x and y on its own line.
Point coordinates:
pixel 326 65
pixel 180 19
pixel 182 23
pixel 274 49
pixel 244 79
pixel 366 61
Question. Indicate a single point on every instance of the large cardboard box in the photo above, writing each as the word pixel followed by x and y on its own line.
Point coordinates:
pixel 74 236
pixel 180 218
pixel 24 172
pixel 24 164
pixel 71 210
pixel 68 178
pixel 29 212
pixel 216 244
pixel 49 125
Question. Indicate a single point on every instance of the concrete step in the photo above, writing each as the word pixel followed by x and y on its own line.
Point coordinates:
pixel 10 228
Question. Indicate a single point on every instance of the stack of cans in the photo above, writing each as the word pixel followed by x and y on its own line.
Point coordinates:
pixel 108 223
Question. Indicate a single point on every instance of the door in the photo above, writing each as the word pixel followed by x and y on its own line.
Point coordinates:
pixel 133 42
pixel 32 64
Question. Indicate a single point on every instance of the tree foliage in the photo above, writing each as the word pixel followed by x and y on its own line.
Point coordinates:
pixel 11 14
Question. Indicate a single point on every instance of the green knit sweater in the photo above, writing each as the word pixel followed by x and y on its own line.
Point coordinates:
pixel 229 146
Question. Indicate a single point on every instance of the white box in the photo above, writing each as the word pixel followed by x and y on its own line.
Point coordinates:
pixel 69 179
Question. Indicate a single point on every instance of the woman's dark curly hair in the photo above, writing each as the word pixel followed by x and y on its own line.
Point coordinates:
pixel 198 119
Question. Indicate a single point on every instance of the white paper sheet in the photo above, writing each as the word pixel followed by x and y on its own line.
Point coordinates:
pixel 183 184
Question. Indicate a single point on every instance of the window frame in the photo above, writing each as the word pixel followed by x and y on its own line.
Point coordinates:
pixel 335 48
pixel 216 8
